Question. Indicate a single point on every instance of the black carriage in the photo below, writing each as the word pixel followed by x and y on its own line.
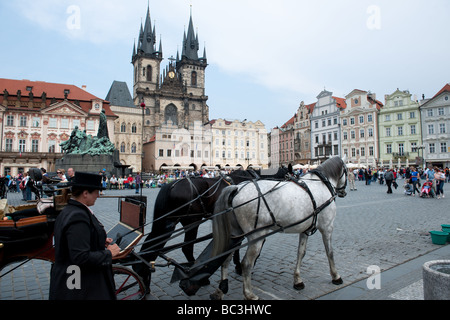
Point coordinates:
pixel 27 234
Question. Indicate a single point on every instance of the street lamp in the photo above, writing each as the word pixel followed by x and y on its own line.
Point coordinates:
pixel 142 147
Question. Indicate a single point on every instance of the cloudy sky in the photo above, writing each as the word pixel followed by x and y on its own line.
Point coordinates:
pixel 264 57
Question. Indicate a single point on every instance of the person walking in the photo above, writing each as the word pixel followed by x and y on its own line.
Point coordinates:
pixel 138 181
pixel 389 177
pixel 415 180
pixel 82 248
pixel 351 180
pixel 440 181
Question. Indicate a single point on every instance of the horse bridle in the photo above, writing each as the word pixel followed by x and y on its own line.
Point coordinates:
pixel 341 189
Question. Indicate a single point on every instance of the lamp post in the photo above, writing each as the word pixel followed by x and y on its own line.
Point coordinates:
pixel 142 147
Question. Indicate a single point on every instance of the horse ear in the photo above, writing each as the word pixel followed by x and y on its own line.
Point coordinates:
pixel 344 158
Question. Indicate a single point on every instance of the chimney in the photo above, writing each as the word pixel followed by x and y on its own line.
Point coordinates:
pixel 84 87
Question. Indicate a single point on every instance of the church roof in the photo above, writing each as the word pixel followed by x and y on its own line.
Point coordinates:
pixel 119 95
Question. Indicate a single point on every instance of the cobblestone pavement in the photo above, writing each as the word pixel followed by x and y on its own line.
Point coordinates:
pixel 372 228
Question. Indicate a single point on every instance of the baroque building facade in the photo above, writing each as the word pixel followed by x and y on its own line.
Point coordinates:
pixel 400 130
pixel 302 132
pixel 239 144
pixel 36 117
pixel 359 128
pixel 325 127
pixel 435 119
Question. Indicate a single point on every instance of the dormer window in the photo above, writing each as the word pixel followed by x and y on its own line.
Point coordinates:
pixel 29 88
pixel 97 106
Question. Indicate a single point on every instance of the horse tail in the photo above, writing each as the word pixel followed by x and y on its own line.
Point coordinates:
pixel 222 221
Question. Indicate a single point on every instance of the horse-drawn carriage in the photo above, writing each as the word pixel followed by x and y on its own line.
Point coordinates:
pixel 26 233
pixel 241 205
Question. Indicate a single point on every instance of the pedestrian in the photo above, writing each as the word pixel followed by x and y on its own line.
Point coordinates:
pixel 415 180
pixel 351 180
pixel 429 176
pixel 389 177
pixel 81 247
pixel 138 181
pixel 440 181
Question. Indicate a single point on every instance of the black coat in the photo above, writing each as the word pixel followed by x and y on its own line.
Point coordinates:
pixel 80 241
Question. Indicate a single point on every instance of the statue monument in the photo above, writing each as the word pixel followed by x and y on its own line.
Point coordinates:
pixel 86 153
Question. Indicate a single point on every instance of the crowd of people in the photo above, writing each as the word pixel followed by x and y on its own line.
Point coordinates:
pixel 428 182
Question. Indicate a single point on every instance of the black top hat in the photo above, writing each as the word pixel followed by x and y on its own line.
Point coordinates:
pixel 87 180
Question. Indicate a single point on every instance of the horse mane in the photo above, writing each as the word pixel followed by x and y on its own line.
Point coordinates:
pixel 331 167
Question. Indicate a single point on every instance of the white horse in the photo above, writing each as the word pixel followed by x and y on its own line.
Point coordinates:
pixel 255 209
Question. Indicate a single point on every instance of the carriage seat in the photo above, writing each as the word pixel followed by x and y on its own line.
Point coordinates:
pixel 24 231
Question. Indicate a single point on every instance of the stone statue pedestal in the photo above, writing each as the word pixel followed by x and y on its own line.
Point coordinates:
pixel 92 164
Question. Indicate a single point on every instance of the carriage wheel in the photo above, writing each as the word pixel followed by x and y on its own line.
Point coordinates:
pixel 129 285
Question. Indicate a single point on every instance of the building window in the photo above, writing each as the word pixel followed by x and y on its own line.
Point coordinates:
pixel 344 122
pixel 443 147
pixel 441 111
pixel 123 127
pixel 399 116
pixel 369 118
pixel 430 112
pixel 352 134
pixel 400 131
pixel 370 132
pixel 389 148
pixel 361 119
pixel 412 115
pixel 52 123
pixel 22 145
pixel 64 123
pixel 413 129
pixel 194 78
pixel 10 121
pixel 442 128
pixel 363 152
pixel 76 123
pixel 23 121
pixel 432 148
pixel 388 132
pixel 122 147
pixel 149 73
pixel 371 151
pixel 8 145
pixel 430 129
pixel 52 146
pixel 161 152
pixel 133 148
pixel 352 120
pixel 361 133
pixel 387 117
pixel 34 146
pixel 401 149
pixel 133 128
pixel 345 136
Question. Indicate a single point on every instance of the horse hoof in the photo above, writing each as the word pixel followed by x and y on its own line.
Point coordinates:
pixel 299 286
pixel 337 282
pixel 216 296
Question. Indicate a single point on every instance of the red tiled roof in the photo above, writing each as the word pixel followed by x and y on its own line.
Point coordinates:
pixel 340 102
pixel 444 89
pixel 310 107
pixel 52 90
pixel 290 121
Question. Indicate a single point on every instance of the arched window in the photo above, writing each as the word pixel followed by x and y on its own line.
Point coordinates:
pixel 171 114
pixel 122 147
pixel 133 128
pixel 133 148
pixel 194 78
pixel 123 127
pixel 149 73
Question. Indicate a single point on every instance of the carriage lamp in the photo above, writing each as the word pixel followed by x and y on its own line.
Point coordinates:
pixel 1 245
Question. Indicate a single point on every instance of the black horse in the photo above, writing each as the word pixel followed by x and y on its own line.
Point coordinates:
pixel 188 201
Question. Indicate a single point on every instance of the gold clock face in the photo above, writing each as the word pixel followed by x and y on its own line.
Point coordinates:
pixel 171 74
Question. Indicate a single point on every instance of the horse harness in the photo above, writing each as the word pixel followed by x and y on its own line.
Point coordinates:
pixel 317 209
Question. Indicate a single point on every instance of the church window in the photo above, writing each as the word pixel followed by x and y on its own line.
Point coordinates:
pixel 149 73
pixel 171 114
pixel 194 78
pixel 133 148
pixel 133 128
pixel 123 127
pixel 122 147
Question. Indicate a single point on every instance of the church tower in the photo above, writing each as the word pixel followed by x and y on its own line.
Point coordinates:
pixel 146 59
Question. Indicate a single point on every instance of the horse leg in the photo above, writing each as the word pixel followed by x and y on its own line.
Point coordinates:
pixel 335 277
pixel 188 250
pixel 298 282
pixel 247 265
pixel 237 262
pixel 223 285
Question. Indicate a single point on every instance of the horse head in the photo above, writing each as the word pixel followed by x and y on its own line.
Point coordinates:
pixel 341 184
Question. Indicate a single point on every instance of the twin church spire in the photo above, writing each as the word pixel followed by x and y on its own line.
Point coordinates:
pixel 146 45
